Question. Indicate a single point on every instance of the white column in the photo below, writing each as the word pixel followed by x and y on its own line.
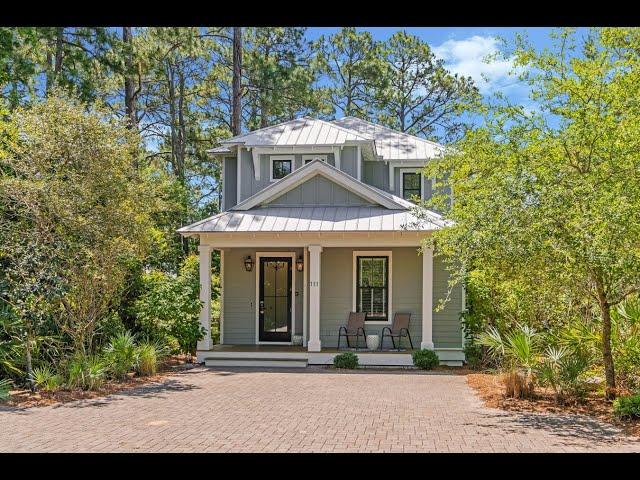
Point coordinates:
pixel 239 175
pixel 314 298
pixel 305 295
pixel 427 298
pixel 221 322
pixel 205 295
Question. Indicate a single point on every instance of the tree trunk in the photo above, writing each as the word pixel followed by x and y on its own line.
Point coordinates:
pixel 29 365
pixel 59 45
pixel 129 91
pixel 236 119
pixel 607 356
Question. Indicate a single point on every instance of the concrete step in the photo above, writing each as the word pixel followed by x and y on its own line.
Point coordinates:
pixel 262 361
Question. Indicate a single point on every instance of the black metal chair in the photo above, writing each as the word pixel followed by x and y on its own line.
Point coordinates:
pixel 399 329
pixel 353 328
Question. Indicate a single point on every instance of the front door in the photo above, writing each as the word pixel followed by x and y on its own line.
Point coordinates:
pixel 274 320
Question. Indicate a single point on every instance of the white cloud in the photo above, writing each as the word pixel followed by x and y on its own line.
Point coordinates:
pixel 468 58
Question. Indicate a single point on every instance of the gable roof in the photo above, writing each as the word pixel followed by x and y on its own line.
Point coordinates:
pixel 318 167
pixel 392 144
pixel 300 131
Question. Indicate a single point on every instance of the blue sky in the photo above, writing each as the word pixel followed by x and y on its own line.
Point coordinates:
pixel 463 50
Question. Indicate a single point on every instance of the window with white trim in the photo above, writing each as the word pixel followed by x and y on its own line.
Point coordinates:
pixel 280 167
pixel 373 285
pixel 410 184
pixel 310 158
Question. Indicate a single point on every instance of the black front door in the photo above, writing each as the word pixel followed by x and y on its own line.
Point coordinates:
pixel 274 320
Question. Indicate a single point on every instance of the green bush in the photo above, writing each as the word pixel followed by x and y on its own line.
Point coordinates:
pixel 425 359
pixel 120 354
pixel 46 379
pixel 5 388
pixel 148 356
pixel 563 371
pixel 86 372
pixel 169 308
pixel 346 360
pixel 627 407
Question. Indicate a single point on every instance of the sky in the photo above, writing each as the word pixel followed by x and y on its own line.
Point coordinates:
pixel 463 50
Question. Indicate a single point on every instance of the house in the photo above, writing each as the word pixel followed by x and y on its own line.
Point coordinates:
pixel 317 222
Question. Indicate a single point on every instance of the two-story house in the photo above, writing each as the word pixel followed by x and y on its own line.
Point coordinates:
pixel 317 222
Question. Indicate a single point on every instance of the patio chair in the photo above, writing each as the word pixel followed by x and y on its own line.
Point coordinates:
pixel 354 328
pixel 399 328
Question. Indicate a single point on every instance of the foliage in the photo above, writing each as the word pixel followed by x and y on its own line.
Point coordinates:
pixel 148 354
pixel 87 372
pixel 121 354
pixel 425 359
pixel 627 407
pixel 5 388
pixel 46 379
pixel 546 196
pixel 170 306
pixel 563 370
pixel 347 360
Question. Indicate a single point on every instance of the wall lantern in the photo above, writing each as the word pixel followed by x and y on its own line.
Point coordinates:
pixel 299 264
pixel 248 263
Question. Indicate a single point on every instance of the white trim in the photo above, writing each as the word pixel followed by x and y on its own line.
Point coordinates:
pixel 224 184
pixel 238 175
pixel 336 157
pixel 291 181
pixel 312 157
pixel 314 344
pixel 204 266
pixel 401 171
pixel 255 155
pixel 305 292
pixel 272 158
pixel 359 165
pixel 292 293
pixel 221 321
pixel 378 253
pixel 427 298
pixel 399 164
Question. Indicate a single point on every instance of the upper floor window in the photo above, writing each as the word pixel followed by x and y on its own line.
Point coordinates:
pixel 310 158
pixel 281 167
pixel 410 184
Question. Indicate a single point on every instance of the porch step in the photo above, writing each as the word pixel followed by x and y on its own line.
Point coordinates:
pixel 256 361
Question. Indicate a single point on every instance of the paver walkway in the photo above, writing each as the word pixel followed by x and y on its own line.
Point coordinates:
pixel 320 410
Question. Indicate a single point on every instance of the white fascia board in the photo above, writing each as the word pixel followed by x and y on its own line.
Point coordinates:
pixel 309 170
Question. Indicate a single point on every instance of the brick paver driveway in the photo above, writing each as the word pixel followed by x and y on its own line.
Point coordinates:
pixel 240 410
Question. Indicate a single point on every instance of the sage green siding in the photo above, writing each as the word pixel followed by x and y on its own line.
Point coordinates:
pixel 230 181
pixel 320 191
pixel 348 161
pixel 376 174
pixel 240 296
pixel 336 291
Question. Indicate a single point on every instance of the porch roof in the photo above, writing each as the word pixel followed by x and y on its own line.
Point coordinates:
pixel 317 219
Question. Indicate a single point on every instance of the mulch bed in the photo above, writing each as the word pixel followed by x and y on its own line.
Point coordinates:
pixel 489 388
pixel 26 398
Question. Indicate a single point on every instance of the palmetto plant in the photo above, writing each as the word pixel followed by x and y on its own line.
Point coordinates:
pixel 86 372
pixel 517 352
pixel 121 353
pixel 45 378
pixel 5 388
pixel 562 370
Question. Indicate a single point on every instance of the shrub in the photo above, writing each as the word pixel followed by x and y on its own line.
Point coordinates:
pixel 563 370
pixel 346 360
pixel 121 354
pixel 170 306
pixel 46 379
pixel 425 359
pixel 148 356
pixel 627 407
pixel 86 372
pixel 5 388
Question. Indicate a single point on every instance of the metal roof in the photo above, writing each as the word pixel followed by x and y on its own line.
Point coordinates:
pixel 301 131
pixel 315 219
pixel 392 144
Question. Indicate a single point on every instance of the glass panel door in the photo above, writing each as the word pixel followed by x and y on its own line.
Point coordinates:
pixel 274 319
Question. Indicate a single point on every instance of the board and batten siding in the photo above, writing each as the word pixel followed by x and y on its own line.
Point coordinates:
pixel 318 191
pixel 240 296
pixel 336 290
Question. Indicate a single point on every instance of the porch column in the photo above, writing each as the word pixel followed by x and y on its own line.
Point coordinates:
pixel 205 295
pixel 313 344
pixel 427 298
